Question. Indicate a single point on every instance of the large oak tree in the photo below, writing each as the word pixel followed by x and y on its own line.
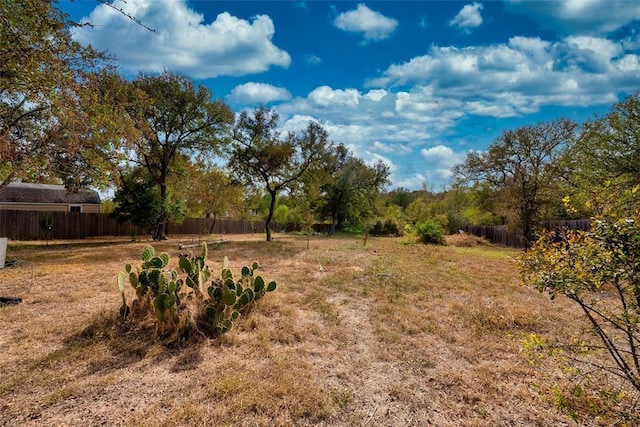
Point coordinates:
pixel 175 120
pixel 524 169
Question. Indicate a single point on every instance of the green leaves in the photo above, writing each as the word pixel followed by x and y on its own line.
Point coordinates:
pixel 599 270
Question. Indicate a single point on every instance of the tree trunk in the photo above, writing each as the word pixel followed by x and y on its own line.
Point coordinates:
pixel 161 229
pixel 272 208
pixel 213 224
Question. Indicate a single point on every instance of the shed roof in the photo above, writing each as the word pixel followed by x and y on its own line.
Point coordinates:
pixel 20 192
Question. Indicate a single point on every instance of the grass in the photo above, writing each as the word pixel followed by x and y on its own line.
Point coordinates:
pixel 390 333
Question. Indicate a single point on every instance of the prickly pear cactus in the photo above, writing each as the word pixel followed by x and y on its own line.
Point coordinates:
pixel 195 267
pixel 218 302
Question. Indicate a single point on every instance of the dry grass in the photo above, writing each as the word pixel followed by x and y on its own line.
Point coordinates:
pixel 390 334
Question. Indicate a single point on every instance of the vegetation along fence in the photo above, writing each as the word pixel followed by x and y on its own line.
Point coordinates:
pixel 32 225
pixel 501 235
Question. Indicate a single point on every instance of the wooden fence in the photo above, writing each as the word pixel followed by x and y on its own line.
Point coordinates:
pixel 25 225
pixel 501 235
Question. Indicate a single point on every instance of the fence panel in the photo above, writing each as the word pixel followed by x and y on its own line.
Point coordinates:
pixel 500 234
pixel 25 225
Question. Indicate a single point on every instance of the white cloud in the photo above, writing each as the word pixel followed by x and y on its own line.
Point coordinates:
pixel 593 17
pixel 516 78
pixel 439 160
pixel 440 154
pixel 375 94
pixel 324 96
pixel 373 25
pixel 183 43
pixel 257 93
pixel 410 182
pixel 468 18
pixel 391 148
pixel 312 59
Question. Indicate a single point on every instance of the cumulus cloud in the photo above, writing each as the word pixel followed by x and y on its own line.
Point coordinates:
pixel 594 17
pixel 468 18
pixel 257 93
pixel 184 42
pixel 439 160
pixel 375 94
pixel 372 25
pixel 519 77
pixel 325 96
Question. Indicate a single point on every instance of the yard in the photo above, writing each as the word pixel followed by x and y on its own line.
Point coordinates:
pixel 387 334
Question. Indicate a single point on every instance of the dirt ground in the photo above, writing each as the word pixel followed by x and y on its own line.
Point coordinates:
pixel 387 334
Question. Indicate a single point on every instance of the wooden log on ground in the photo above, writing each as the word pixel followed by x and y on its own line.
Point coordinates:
pixel 193 245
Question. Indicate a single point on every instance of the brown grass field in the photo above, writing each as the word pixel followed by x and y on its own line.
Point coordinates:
pixel 387 334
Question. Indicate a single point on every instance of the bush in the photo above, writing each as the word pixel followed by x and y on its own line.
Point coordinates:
pixel 430 232
pixel 389 227
pixel 598 271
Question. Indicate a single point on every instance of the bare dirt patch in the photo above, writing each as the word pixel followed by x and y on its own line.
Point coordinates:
pixel 391 334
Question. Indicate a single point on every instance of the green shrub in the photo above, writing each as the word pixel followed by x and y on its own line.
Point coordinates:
pixel 430 232
pixel 390 227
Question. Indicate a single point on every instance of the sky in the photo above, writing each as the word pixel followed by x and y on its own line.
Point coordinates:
pixel 416 84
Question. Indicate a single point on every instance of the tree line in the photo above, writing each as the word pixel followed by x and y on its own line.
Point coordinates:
pixel 171 150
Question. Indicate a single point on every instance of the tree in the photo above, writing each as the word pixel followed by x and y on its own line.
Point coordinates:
pixel 599 271
pixel 609 147
pixel 211 192
pixel 524 170
pixel 138 200
pixel 261 155
pixel 400 197
pixel 51 126
pixel 352 186
pixel 175 120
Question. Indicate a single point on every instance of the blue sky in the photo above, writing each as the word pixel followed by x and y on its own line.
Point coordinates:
pixel 416 84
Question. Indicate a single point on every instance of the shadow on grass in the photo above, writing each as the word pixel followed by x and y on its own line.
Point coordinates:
pixel 72 244
pixel 112 343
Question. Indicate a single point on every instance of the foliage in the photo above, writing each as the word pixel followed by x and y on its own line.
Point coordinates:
pixel 60 105
pixel 202 307
pixel 210 192
pixel 401 197
pixel 598 270
pixel 138 200
pixel 260 155
pixel 430 232
pixel 348 196
pixel 388 227
pixel 608 148
pixel 523 169
pixel 175 120
pixel 580 392
pixel 418 211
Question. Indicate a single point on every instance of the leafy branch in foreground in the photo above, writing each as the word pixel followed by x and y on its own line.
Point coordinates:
pixel 200 307
pixel 599 270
